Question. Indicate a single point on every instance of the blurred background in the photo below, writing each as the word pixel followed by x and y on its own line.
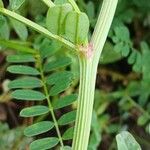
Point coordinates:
pixel 122 96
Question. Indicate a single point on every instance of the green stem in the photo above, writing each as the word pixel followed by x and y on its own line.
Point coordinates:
pixel 49 102
pixel 74 5
pixel 88 69
pixel 49 3
pixel 38 28
pixel 85 105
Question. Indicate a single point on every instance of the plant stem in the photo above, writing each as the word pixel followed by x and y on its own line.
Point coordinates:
pixel 48 100
pixel 49 3
pixel 74 5
pixel 88 69
pixel 38 28
pixel 85 105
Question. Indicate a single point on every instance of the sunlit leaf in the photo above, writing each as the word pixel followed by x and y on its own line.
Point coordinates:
pixel 20 58
pixel 55 17
pixel 34 111
pixel 125 141
pixel 21 69
pixel 45 143
pixel 38 128
pixel 28 95
pixel 76 27
pixel 27 82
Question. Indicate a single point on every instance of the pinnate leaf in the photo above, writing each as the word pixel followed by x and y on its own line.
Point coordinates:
pixel 45 143
pixel 38 128
pixel 125 141
pixel 65 101
pixel 27 82
pixel 21 69
pixel 34 111
pixel 59 63
pixel 28 95
pixel 67 118
pixel 20 58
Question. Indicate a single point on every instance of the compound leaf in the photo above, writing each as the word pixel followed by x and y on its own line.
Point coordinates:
pixel 38 128
pixel 28 95
pixel 34 111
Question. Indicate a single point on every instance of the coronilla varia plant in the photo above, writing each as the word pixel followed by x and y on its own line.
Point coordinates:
pixel 41 77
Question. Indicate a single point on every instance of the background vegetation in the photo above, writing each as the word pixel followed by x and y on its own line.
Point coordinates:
pixel 123 77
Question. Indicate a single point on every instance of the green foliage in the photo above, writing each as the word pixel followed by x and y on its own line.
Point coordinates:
pixel 21 69
pixel 34 111
pixel 50 79
pixel 20 58
pixel 38 128
pixel 20 29
pixel 1 3
pixel 15 4
pixel 45 143
pixel 125 141
pixel 27 82
pixel 72 25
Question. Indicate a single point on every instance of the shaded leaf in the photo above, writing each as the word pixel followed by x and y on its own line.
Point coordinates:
pixel 67 118
pixel 45 143
pixel 15 4
pixel 27 82
pixel 68 135
pixel 20 29
pixel 59 63
pixel 20 58
pixel 21 69
pixel 57 77
pixel 28 95
pixel 34 111
pixel 38 128
pixel 125 141
pixel 65 101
